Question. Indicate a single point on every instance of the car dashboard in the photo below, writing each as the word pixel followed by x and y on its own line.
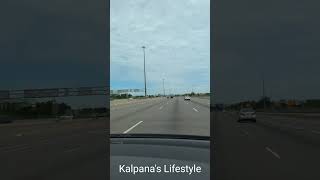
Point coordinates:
pixel 159 157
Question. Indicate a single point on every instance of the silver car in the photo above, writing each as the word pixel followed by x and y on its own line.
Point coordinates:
pixel 247 114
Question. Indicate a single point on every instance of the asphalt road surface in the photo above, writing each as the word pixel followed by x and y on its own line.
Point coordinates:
pixel 162 116
pixel 54 151
pixel 276 147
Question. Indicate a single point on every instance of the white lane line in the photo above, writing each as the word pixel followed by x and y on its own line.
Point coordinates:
pixel 18 149
pixel 161 107
pixel 316 132
pixel 195 109
pixel 297 128
pixel 273 153
pixel 245 132
pixel 71 150
pixel 15 148
pixel 125 132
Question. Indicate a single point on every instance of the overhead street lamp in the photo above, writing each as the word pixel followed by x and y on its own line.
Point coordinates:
pixel 144 70
pixel 164 91
pixel 263 93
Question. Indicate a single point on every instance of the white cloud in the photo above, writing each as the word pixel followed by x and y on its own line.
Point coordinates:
pixel 177 39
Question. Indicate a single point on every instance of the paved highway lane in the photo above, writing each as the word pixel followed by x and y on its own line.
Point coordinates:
pixel 162 116
pixel 273 148
pixel 64 151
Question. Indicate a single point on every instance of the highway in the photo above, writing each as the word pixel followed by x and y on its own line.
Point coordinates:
pixel 76 149
pixel 162 116
pixel 54 151
pixel 276 147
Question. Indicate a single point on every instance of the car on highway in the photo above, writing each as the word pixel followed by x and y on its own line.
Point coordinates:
pixel 6 119
pixel 187 98
pixel 136 156
pixel 65 117
pixel 247 114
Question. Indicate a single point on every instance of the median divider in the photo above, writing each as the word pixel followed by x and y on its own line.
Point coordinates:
pixel 292 115
pixel 124 102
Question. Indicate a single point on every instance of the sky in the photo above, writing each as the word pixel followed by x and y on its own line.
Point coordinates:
pixel 54 44
pixel 277 40
pixel 177 39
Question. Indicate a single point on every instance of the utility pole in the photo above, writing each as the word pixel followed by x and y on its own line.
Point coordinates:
pixel 164 91
pixel 263 93
pixel 144 70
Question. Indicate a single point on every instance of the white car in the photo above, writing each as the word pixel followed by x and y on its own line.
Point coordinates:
pixel 187 98
pixel 66 117
pixel 247 114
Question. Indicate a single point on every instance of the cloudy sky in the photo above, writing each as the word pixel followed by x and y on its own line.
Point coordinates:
pixel 177 39
pixel 54 44
pixel 275 39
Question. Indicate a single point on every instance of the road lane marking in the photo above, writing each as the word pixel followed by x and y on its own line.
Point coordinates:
pixel 161 107
pixel 18 149
pixel 71 150
pixel 128 130
pixel 316 132
pixel 44 141
pixel 15 148
pixel 273 153
pixel 245 132
pixel 297 128
pixel 195 109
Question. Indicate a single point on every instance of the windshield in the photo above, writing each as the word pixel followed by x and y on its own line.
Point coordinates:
pixel 160 54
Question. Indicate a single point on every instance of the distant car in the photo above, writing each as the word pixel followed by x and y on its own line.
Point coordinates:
pixel 247 114
pixel 171 96
pixel 5 119
pixel 187 98
pixel 66 117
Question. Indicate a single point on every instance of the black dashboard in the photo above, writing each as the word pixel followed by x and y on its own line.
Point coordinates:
pixel 159 157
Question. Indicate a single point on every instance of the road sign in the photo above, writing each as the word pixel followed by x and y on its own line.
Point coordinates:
pixel 122 91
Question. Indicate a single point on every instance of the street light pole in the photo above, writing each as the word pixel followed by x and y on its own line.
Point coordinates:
pixel 263 93
pixel 164 91
pixel 144 70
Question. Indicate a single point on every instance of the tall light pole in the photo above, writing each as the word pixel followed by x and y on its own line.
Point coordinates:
pixel 144 70
pixel 164 91
pixel 263 93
